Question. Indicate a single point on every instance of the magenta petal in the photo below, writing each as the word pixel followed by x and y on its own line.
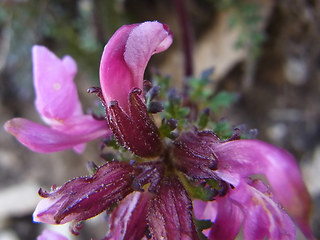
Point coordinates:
pixel 128 220
pixel 85 197
pixel 264 218
pixel 51 235
pixel 205 210
pixel 145 40
pixel 228 221
pixel 125 58
pixel 58 105
pixel 246 157
pixel 43 139
pixel 84 125
pixel 226 215
pixel 56 93
pixel 170 213
pixel 251 204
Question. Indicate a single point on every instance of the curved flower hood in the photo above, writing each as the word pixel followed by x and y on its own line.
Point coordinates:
pixel 123 63
pixel 126 56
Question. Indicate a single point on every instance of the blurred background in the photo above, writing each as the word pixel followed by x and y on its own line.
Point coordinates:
pixel 266 51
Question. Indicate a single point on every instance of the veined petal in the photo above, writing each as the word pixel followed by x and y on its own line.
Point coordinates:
pixel 228 221
pixel 251 203
pixel 264 218
pixel 85 197
pixel 51 235
pixel 43 139
pixel 226 215
pixel 128 220
pixel 56 93
pixel 170 213
pixel 135 131
pixel 125 58
pixel 242 158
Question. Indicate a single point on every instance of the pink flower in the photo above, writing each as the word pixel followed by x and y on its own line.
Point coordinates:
pixel 51 235
pixel 251 208
pixel 58 105
pixel 157 193
pixel 243 158
pixel 123 63
pixel 124 59
pixel 247 201
pixel 126 56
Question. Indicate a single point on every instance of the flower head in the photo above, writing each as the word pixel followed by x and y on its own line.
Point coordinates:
pixel 159 185
pixel 58 104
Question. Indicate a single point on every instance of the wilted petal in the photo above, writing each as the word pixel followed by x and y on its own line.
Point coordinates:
pixel 43 139
pixel 170 213
pixel 194 155
pixel 128 220
pixel 56 93
pixel 51 235
pixel 242 158
pixel 85 197
pixel 125 58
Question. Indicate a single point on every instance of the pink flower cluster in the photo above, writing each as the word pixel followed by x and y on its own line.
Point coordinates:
pixel 151 194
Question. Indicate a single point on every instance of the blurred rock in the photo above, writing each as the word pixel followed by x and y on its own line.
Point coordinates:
pixel 8 235
pixel 311 170
pixel 18 200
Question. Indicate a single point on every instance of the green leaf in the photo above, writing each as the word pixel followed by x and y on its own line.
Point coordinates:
pixel 183 112
pixel 222 99
pixel 203 118
pixel 202 225
pixel 223 129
